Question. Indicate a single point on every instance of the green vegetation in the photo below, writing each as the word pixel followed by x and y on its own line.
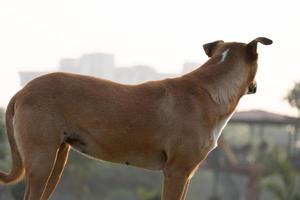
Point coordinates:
pixel 293 96
pixel 2 135
pixel 281 180
pixel 1 124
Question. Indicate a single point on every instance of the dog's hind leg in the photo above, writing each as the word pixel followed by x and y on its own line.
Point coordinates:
pixel 38 168
pixel 62 157
pixel 39 144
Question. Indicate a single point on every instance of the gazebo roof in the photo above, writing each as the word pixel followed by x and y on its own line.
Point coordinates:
pixel 263 117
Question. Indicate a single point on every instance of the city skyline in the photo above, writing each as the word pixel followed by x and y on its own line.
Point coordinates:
pixel 102 65
pixel 86 67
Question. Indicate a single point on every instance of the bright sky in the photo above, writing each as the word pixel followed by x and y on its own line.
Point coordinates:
pixel 35 34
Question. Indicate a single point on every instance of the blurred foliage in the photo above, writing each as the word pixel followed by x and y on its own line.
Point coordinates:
pixel 90 179
pixel 281 180
pixel 17 190
pixel 1 124
pixel 87 179
pixel 146 194
pixel 293 96
pixel 2 135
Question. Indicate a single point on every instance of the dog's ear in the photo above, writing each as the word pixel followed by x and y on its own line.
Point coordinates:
pixel 210 47
pixel 252 46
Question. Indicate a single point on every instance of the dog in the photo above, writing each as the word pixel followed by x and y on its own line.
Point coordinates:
pixel 169 125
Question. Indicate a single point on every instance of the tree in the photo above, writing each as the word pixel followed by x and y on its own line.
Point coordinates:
pixel 293 96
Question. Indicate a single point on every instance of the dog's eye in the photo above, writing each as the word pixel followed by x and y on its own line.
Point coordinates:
pixel 252 88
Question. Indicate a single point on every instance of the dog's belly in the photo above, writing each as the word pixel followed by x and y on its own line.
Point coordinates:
pixel 138 155
pixel 151 161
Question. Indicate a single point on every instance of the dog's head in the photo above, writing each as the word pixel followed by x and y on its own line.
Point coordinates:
pixel 244 53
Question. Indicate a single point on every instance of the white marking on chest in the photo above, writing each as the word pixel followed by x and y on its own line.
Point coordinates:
pixel 219 128
pixel 224 55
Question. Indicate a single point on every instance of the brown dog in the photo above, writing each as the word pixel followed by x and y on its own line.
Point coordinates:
pixel 169 125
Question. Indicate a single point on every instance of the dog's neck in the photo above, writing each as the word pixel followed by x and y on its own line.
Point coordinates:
pixel 224 77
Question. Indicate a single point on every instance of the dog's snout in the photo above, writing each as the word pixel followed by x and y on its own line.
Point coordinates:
pixel 252 88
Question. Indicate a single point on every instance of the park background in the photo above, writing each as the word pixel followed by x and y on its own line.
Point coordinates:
pixel 136 41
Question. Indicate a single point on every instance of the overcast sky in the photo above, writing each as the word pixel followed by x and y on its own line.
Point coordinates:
pixel 35 34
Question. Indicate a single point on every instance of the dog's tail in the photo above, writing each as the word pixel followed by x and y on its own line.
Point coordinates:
pixel 17 171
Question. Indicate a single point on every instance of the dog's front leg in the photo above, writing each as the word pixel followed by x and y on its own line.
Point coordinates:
pixel 175 185
pixel 182 163
pixel 186 189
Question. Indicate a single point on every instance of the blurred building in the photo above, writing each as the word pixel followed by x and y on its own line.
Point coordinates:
pixel 95 64
pixel 26 76
pixel 101 65
pixel 249 136
pixel 189 66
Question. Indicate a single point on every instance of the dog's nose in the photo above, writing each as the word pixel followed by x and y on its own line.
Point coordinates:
pixel 252 88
